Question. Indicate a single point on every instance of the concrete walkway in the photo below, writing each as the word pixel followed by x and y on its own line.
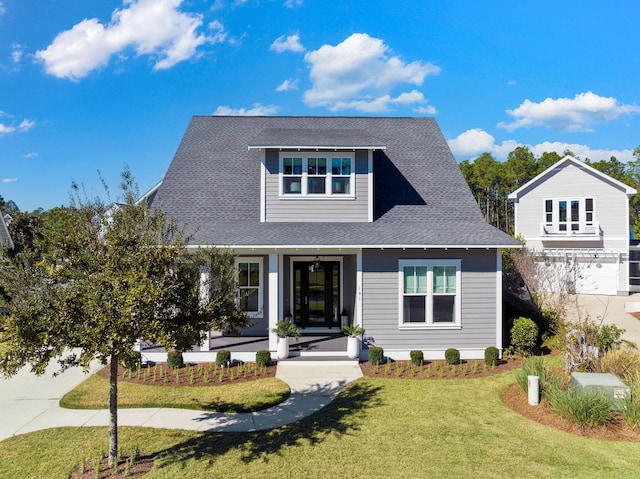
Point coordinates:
pixel 29 403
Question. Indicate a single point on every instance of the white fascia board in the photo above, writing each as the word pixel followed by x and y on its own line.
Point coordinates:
pixel 350 248
pixel 317 148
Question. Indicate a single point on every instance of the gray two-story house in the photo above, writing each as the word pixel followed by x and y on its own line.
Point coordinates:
pixel 337 220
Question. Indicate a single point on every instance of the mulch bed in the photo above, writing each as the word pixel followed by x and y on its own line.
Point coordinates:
pixel 436 370
pixel 141 465
pixel 617 430
pixel 201 374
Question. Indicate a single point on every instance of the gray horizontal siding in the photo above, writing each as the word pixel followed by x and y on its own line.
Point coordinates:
pixel 316 209
pixel 478 295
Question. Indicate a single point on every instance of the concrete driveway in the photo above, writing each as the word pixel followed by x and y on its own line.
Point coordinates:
pixel 609 310
pixel 25 397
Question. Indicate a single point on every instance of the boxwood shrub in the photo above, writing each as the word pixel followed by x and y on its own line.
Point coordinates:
pixel 417 357
pixel 263 358
pixel 452 356
pixel 524 335
pixel 376 355
pixel 223 358
pixel 491 356
pixel 175 360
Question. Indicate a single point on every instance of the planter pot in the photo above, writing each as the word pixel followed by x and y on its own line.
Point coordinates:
pixel 353 347
pixel 283 348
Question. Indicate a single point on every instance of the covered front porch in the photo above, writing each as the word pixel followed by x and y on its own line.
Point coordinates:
pixel 316 347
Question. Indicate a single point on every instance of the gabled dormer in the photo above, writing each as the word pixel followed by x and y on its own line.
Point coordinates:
pixel 316 175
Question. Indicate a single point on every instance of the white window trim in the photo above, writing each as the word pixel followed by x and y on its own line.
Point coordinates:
pixel 328 186
pixel 429 264
pixel 254 259
pixel 582 213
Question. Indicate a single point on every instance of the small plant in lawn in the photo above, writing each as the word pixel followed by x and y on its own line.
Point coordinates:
pixel 474 367
pixel 376 367
pixel 221 377
pixel 491 355
pixel 428 371
pixel 177 374
pixel 453 370
pixel 463 370
pixel 138 374
pixel 223 358
pixel 376 355
pixel 417 357
pixel 387 368
pixel 452 356
pixel 191 377
pixel 441 373
pixel 630 409
pixel 399 369
pixel 205 376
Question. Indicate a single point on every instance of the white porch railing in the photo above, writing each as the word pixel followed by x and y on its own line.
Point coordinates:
pixel 591 231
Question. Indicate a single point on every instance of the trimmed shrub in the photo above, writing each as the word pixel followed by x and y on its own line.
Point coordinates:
pixel 417 357
pixel 580 408
pixel 132 361
pixel 452 356
pixel 263 358
pixel 376 355
pixel 223 358
pixel 524 335
pixel 175 360
pixel 491 355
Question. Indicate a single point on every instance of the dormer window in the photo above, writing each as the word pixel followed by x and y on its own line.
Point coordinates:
pixel 313 174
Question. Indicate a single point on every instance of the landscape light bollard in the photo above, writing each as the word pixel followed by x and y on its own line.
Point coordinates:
pixel 533 384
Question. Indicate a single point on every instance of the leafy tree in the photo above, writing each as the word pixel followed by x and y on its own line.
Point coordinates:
pixel 110 275
pixel 8 207
pixel 25 232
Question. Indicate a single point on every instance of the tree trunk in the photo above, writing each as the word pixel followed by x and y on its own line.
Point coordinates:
pixel 113 410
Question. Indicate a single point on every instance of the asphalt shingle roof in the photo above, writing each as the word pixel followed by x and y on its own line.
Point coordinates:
pixel 421 198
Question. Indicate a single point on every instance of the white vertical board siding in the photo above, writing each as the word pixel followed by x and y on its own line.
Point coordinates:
pixel 316 209
pixel 478 295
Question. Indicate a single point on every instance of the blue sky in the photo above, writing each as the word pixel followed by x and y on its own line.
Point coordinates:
pixel 104 84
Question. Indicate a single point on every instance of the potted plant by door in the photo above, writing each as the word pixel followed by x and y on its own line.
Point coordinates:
pixel 284 330
pixel 353 331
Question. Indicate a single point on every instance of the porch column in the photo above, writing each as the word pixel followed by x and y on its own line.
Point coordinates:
pixel 204 298
pixel 499 300
pixel 357 317
pixel 273 309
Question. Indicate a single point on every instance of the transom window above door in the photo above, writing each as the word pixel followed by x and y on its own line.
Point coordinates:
pixel 313 174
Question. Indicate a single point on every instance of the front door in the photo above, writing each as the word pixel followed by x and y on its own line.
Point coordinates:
pixel 316 294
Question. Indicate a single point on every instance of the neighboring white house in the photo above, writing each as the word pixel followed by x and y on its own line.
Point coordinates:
pixel 576 219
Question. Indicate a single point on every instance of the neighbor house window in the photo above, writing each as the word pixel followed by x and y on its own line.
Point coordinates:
pixel 250 285
pixel 429 293
pixel 317 175
pixel 569 215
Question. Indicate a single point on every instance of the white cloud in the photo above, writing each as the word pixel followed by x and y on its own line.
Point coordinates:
pixel 16 52
pixel 360 73
pixel 6 129
pixel 383 103
pixel 474 142
pixel 288 85
pixel 572 114
pixel 425 110
pixel 152 27
pixel 31 155
pixel 288 44
pixel 293 3
pixel 257 110
pixel 9 180
pixel 26 125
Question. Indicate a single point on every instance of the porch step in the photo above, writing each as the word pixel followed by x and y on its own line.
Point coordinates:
pixel 318 360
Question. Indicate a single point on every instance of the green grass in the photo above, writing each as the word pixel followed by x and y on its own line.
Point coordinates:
pixel 375 428
pixel 93 393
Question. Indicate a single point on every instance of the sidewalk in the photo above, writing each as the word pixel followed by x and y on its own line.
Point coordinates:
pixel 312 387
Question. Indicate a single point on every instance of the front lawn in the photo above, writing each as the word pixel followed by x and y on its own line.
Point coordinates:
pixel 387 428
pixel 254 395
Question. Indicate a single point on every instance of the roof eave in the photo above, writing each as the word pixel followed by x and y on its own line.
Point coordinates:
pixel 318 147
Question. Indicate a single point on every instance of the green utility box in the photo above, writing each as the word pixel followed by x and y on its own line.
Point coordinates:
pixel 603 383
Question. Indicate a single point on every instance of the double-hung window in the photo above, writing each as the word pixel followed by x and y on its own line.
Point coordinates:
pixel 316 174
pixel 250 294
pixel 429 293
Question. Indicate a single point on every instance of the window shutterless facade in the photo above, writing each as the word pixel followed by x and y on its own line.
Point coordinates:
pixel 250 291
pixel 429 293
pixel 316 175
pixel 569 215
